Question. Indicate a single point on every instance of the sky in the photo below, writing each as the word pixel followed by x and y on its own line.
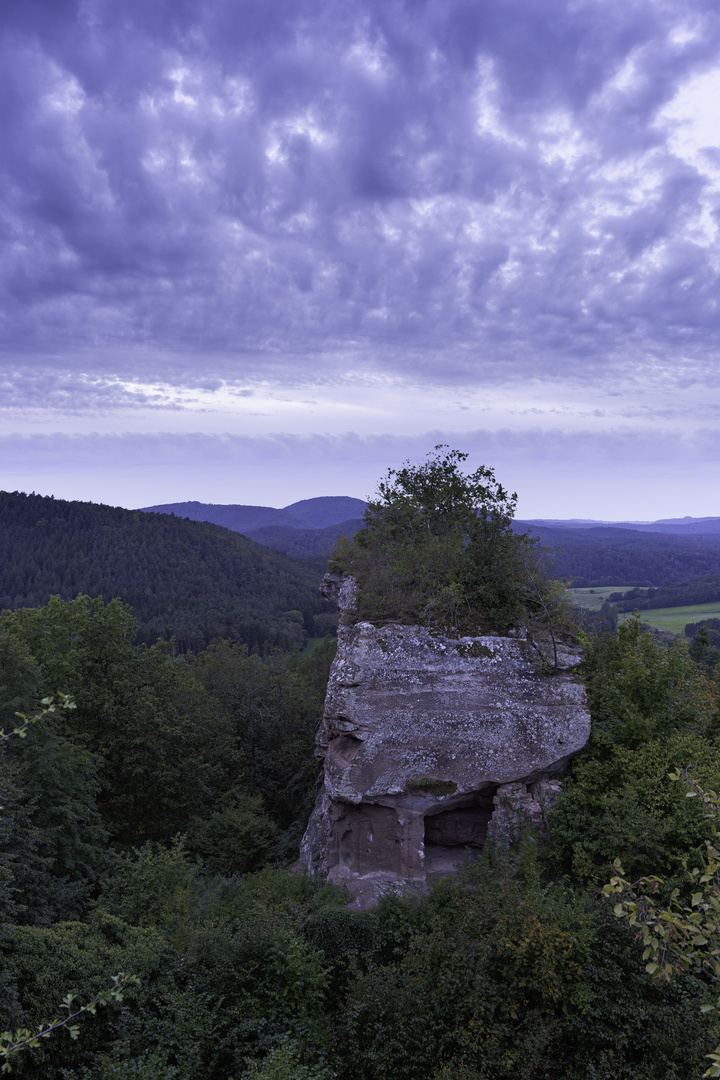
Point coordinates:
pixel 255 251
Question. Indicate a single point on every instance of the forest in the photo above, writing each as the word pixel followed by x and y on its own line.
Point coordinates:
pixel 593 557
pixel 150 825
pixel 612 556
pixel 701 590
pixel 150 830
pixel 186 580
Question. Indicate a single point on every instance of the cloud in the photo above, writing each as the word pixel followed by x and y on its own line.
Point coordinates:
pixel 463 193
pixel 609 475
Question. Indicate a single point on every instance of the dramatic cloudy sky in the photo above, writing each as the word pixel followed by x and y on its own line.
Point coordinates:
pixel 260 250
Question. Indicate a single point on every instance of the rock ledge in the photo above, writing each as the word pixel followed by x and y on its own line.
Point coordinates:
pixel 430 744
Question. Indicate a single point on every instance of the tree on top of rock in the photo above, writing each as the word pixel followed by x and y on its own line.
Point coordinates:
pixel 438 549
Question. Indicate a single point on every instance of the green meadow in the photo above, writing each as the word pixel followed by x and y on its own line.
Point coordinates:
pixel 672 619
pixel 675 619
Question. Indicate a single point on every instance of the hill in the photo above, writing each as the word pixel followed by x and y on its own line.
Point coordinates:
pixel 192 580
pixel 306 543
pixel 591 553
pixel 701 590
pixel 686 526
pixel 608 555
pixel 307 514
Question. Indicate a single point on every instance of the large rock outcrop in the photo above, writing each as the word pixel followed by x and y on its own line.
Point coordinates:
pixel 430 744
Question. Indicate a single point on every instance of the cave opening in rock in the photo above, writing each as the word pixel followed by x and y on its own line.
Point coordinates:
pixel 457 835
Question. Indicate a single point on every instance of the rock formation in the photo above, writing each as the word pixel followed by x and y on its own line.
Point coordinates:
pixel 430 745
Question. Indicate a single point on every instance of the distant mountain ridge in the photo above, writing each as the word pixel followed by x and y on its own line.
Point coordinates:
pixel 320 513
pixel 593 553
pixel 686 526
pixel 326 511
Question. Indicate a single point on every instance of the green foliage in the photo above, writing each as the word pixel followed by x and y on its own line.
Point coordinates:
pixel 150 887
pixel 131 723
pixel 19 678
pixel 610 556
pixel 45 964
pixel 703 647
pixel 638 687
pixel 266 715
pixel 47 708
pixel 23 1039
pixel 52 840
pixel 603 620
pixel 151 1065
pixel 437 548
pixel 286 1063
pixel 61 784
pixel 684 935
pixel 238 839
pixel 711 625
pixel 651 707
pixel 184 579
pixel 700 590
pixel 19 847
pixel 158 743
pixel 502 975
pixel 200 769
pixel 168 737
pixel 246 979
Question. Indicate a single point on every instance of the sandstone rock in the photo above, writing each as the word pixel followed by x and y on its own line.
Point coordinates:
pixel 430 745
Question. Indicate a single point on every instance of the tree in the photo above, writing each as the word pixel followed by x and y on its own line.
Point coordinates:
pixel 438 548
pixel 12 1042
pixel 133 726
pixel 684 934
pixel 702 650
pixel 264 717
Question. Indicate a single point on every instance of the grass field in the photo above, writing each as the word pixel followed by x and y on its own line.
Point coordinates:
pixel 311 645
pixel 593 599
pixel 675 619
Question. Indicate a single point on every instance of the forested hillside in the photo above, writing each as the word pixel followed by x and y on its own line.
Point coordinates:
pixel 592 556
pixel 611 556
pixel 306 543
pixel 187 579
pixel 307 529
pixel 702 590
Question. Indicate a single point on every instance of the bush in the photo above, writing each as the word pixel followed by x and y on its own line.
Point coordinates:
pixel 652 710
pixel 235 840
pixel 505 976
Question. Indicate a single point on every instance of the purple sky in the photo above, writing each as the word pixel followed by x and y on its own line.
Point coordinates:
pixel 259 250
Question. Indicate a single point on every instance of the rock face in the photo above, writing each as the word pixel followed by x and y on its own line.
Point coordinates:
pixel 430 745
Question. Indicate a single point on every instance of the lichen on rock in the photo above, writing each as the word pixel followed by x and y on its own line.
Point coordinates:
pixel 431 743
